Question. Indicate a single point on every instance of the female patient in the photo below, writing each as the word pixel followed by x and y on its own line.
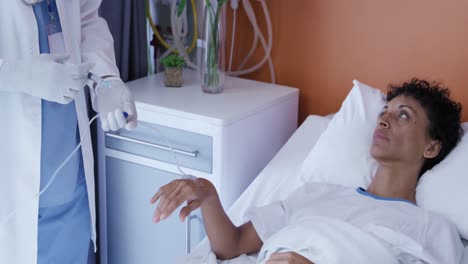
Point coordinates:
pixel 417 128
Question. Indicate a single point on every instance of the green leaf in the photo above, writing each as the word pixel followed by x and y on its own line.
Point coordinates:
pixel 221 2
pixel 181 7
pixel 173 60
pixel 208 3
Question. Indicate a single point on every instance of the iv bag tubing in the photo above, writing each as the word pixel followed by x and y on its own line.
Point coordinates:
pixel 158 36
pixel 54 175
pixel 267 57
pixel 175 23
pixel 233 37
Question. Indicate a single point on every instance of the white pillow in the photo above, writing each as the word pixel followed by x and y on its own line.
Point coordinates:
pixel 444 188
pixel 342 156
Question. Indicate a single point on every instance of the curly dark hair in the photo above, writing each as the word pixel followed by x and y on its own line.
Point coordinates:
pixel 444 114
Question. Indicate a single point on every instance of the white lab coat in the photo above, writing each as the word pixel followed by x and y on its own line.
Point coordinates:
pixel 87 39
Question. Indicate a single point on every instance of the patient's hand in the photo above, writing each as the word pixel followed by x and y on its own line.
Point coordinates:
pixel 287 258
pixel 173 194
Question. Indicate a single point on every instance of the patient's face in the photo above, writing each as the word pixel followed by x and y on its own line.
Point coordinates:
pixel 401 134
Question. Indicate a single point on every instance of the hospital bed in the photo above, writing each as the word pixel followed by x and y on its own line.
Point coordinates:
pixel 277 180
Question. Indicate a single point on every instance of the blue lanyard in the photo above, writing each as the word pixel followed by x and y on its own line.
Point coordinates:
pixel 51 13
pixel 47 12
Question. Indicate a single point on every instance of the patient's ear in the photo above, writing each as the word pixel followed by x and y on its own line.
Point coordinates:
pixel 432 149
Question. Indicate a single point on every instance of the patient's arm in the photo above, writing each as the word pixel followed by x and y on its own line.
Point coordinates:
pixel 227 240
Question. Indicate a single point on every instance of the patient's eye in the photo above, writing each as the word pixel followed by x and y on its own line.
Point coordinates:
pixel 403 115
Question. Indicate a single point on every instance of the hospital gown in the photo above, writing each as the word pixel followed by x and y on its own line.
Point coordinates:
pixel 432 232
pixel 64 220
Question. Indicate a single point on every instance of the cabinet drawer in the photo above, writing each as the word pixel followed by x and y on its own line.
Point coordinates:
pixel 194 151
pixel 132 237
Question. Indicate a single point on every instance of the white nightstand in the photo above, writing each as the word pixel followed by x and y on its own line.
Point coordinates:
pixel 227 138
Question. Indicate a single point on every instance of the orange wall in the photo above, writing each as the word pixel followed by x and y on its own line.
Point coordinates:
pixel 320 46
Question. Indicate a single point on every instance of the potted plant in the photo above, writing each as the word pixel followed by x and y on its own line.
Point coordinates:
pixel 173 70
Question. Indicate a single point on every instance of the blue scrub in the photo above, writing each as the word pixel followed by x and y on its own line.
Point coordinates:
pixel 64 220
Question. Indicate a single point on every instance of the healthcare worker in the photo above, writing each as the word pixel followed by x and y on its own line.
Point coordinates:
pixel 46 51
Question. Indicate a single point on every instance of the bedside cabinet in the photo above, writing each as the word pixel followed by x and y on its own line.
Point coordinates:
pixel 226 138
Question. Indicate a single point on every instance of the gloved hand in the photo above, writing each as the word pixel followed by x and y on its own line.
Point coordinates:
pixel 46 76
pixel 111 103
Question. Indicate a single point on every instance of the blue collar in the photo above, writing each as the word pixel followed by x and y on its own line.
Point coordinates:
pixel 363 192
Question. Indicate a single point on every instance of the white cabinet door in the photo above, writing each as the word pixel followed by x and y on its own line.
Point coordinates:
pixel 132 237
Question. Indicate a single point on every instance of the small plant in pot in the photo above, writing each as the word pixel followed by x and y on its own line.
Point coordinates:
pixel 173 73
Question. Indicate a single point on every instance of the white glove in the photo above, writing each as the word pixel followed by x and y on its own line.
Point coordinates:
pixel 46 76
pixel 111 103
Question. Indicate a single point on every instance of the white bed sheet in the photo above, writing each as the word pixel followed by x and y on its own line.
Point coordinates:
pixel 280 177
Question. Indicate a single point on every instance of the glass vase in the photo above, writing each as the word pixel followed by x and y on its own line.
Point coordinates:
pixel 212 65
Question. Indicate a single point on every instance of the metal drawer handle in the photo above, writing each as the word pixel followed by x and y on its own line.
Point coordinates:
pixel 158 146
pixel 188 232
